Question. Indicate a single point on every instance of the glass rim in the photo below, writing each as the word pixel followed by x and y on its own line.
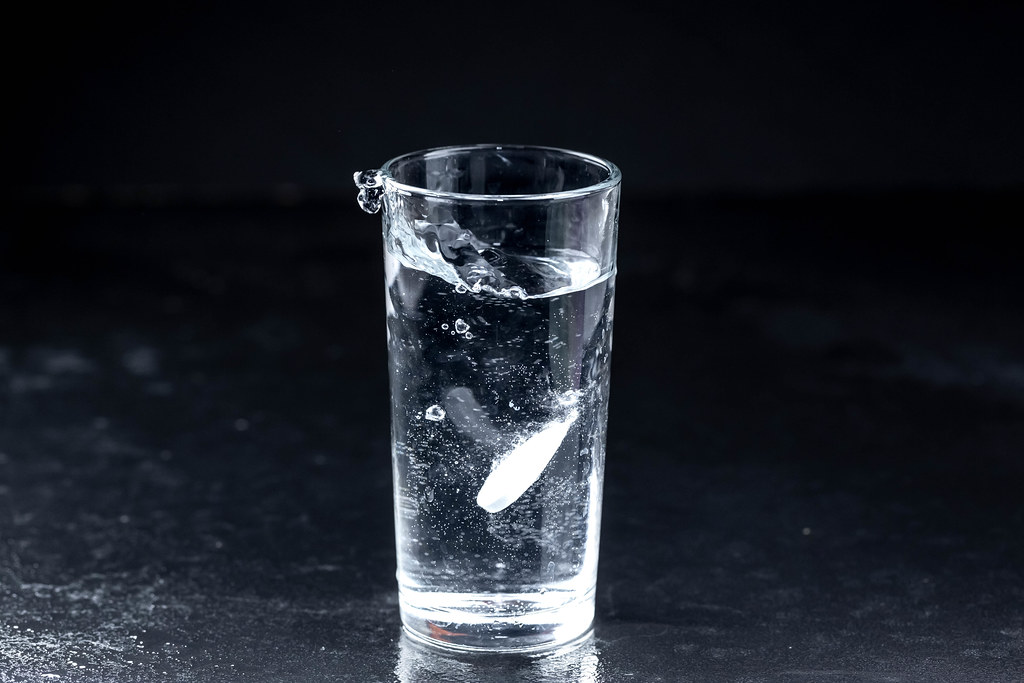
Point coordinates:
pixel 613 179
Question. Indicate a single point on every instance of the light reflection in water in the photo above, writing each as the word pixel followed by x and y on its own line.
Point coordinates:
pixel 418 663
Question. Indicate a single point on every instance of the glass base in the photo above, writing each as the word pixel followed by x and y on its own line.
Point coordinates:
pixel 503 622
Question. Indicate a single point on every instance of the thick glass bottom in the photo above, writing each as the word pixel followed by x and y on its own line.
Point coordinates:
pixel 498 622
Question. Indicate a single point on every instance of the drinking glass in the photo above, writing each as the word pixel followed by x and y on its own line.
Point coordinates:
pixel 499 264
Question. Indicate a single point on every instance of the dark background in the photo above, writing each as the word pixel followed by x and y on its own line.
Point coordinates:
pixel 816 436
pixel 732 96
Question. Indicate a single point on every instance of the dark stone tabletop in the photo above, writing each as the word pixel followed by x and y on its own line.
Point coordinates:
pixel 815 458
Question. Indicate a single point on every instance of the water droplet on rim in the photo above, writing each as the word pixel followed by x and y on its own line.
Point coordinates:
pixel 371 188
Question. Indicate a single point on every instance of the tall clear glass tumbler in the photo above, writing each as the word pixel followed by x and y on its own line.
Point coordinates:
pixel 500 275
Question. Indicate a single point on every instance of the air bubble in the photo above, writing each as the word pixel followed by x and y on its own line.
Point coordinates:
pixel 434 413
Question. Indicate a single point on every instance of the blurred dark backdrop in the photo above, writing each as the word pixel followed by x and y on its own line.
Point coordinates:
pixel 115 99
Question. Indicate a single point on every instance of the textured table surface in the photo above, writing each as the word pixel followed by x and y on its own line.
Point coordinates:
pixel 816 450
